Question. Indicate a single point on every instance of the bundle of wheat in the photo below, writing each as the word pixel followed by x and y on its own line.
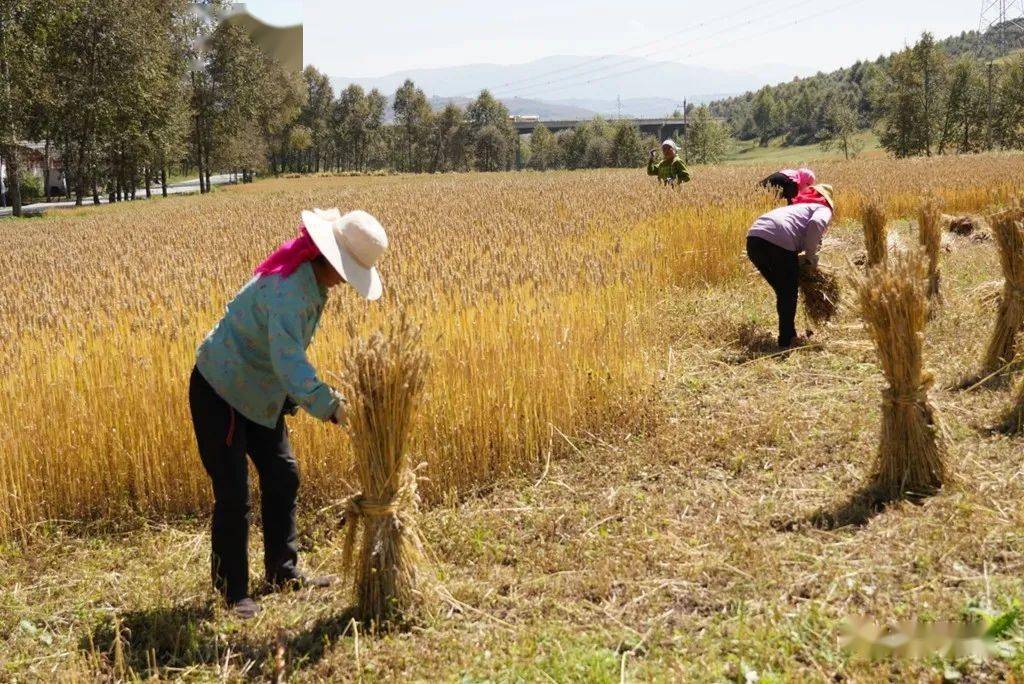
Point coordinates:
pixel 911 451
pixel 383 380
pixel 819 288
pixel 1008 227
pixel 930 234
pixel 876 238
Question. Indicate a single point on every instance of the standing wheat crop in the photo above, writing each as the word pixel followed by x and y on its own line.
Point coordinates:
pixel 384 377
pixel 911 451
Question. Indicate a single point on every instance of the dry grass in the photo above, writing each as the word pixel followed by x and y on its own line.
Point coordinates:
pixel 648 557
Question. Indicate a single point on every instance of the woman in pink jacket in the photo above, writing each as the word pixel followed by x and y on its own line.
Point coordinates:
pixel 778 241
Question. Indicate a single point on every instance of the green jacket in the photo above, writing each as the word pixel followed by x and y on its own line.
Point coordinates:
pixel 255 356
pixel 669 171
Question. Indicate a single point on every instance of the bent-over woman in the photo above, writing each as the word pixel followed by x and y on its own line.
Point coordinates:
pixel 775 244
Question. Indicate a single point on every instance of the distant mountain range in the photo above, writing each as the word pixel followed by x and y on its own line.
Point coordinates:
pixel 580 87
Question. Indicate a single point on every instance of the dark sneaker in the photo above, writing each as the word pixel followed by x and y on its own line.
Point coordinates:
pixel 246 609
pixel 301 581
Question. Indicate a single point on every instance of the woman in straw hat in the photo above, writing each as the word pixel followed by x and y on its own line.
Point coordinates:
pixel 252 370
pixel 788 183
pixel 670 170
pixel 775 243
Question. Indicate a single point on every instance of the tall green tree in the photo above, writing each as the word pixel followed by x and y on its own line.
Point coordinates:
pixel 316 113
pixel 20 58
pixel 707 139
pixel 840 128
pixel 626 145
pixel 544 150
pixel 413 118
pixel 965 109
pixel 492 133
pixel 765 115
pixel 1010 104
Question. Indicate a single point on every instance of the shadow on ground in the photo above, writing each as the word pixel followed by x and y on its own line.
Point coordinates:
pixel 142 644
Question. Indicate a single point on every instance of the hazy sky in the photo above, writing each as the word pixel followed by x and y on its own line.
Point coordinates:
pixel 372 39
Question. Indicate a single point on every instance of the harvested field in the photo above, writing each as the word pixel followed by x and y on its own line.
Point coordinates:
pixel 614 450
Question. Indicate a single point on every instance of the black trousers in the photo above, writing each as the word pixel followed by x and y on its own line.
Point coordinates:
pixel 225 437
pixel 781 268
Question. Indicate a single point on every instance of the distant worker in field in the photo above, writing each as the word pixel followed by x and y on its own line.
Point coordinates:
pixel 670 170
pixel 788 183
pixel 251 371
pixel 778 241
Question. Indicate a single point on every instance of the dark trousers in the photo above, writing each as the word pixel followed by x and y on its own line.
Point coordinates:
pixel 225 437
pixel 781 268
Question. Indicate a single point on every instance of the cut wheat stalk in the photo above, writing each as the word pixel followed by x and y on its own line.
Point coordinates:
pixel 998 362
pixel 383 380
pixel 930 235
pixel 819 289
pixel 876 238
pixel 911 459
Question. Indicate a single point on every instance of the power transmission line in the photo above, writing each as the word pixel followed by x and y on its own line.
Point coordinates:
pixel 642 46
pixel 727 29
pixel 773 29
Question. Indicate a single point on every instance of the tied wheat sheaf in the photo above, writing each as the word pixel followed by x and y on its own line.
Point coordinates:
pixel 383 382
pixel 819 289
pixel 929 221
pixel 1008 228
pixel 876 234
pixel 911 459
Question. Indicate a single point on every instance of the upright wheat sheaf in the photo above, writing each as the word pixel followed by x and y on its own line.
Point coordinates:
pixel 929 220
pixel 1008 228
pixel 383 381
pixel 875 232
pixel 911 458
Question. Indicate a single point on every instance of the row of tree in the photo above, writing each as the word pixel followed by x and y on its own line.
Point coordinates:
pixel 963 94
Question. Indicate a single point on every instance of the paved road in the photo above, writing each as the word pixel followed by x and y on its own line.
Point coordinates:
pixel 182 188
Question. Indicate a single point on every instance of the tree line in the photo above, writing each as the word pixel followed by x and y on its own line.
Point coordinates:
pixel 129 92
pixel 963 94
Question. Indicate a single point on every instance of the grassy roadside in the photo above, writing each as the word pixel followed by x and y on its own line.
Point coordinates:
pixel 640 557
pixel 750 152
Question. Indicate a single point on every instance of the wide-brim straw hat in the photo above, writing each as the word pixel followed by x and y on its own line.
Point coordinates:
pixel 352 244
pixel 825 190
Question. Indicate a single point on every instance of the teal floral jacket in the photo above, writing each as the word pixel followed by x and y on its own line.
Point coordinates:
pixel 255 357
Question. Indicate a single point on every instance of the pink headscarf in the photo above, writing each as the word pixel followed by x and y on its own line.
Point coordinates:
pixel 804 178
pixel 289 256
pixel 811 196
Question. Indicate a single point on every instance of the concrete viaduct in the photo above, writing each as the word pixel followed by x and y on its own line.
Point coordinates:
pixel 659 128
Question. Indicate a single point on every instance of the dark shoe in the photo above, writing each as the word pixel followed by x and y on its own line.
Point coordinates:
pixel 795 341
pixel 246 609
pixel 301 581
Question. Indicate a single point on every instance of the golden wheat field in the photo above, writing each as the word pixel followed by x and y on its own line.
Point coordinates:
pixel 535 292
